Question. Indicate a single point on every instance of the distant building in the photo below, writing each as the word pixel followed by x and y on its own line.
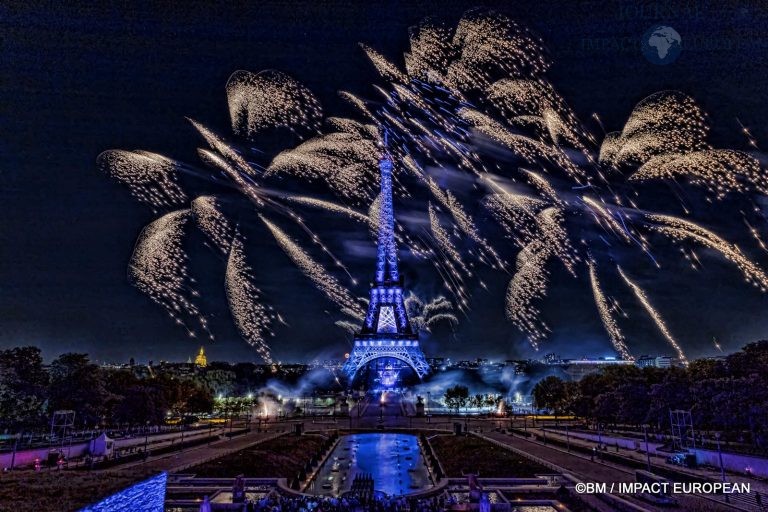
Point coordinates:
pixel 438 363
pixel 521 367
pixel 646 361
pixel 578 368
pixel 200 360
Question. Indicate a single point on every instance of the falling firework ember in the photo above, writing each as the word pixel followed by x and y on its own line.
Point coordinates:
pixel 212 222
pixel 151 178
pixel 641 296
pixel 159 268
pixel 603 308
pixel 270 99
pixel 315 272
pixel 250 315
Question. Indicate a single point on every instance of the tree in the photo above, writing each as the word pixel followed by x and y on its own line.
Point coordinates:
pixel 456 397
pixel 751 359
pixel 186 397
pixel 549 393
pixel 78 385
pixel 220 382
pixel 23 383
pixel 673 392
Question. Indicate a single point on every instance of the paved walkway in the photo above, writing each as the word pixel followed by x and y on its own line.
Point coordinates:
pixel 584 468
pixel 179 461
pixel 746 502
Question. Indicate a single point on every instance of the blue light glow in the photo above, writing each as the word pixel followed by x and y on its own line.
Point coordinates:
pixel 146 496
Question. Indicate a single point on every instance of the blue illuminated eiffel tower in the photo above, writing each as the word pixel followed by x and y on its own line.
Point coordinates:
pixel 386 332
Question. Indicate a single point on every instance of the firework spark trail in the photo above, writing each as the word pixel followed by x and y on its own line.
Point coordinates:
pixel 601 213
pixel 270 99
pixel 150 178
pixel 430 111
pixel 441 317
pixel 313 270
pixel 516 219
pixel 357 103
pixel 721 171
pixel 538 99
pixel 550 226
pixel 756 235
pixel 386 69
pixel 328 206
pixel 256 195
pixel 465 223
pixel 447 272
pixel 424 316
pixel 226 151
pixel 515 212
pixel 544 187
pixel 531 279
pixel 348 326
pixel 430 50
pixel 313 236
pixel 664 122
pixel 159 269
pixel 643 298
pixel 343 124
pixel 212 222
pixel 529 284
pixel 487 42
pixel 344 161
pixel 245 302
pixel 438 305
pixel 679 229
pixel 610 325
pixel 443 239
pixel 530 150
pixel 245 186
pixel 462 219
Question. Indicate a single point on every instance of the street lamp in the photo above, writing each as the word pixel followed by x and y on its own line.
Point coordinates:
pixel 647 452
pixel 231 417
pixel 146 440
pixel 600 435
pixel 720 456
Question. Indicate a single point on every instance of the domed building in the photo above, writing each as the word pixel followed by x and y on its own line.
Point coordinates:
pixel 200 360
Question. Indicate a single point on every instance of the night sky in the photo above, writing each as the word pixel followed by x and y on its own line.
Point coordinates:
pixel 77 81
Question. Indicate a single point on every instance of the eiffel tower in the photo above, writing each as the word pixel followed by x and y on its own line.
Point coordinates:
pixel 386 332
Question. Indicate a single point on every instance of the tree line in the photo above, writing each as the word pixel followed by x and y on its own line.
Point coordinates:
pixel 728 395
pixel 30 392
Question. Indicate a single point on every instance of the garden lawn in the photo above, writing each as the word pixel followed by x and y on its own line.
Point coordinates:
pixel 282 457
pixel 29 491
pixel 469 454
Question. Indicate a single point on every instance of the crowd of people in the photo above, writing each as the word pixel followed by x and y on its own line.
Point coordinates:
pixel 275 502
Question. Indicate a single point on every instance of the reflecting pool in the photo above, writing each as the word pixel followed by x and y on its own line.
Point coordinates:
pixel 394 462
